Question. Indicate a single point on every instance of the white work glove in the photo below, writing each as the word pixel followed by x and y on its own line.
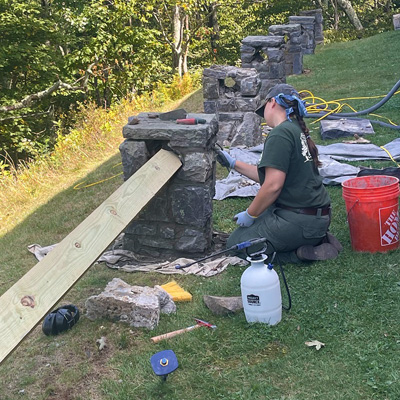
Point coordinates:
pixel 225 159
pixel 244 219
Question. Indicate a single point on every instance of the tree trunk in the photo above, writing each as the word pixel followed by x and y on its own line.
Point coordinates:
pixel 335 15
pixel 323 4
pixel 177 40
pixel 213 23
pixel 180 47
pixel 351 13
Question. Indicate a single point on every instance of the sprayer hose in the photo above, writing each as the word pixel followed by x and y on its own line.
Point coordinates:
pixel 353 115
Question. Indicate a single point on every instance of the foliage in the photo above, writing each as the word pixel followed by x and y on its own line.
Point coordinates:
pixel 111 49
pixel 95 133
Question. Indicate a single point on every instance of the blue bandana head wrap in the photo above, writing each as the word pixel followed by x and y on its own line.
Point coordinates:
pixel 280 99
pixel 280 92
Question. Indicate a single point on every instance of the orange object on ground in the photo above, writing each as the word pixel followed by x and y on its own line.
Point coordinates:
pixel 372 204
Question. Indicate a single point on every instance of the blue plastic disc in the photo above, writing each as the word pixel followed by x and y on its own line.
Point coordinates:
pixel 164 362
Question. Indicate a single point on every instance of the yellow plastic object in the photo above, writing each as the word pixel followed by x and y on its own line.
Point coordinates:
pixel 176 292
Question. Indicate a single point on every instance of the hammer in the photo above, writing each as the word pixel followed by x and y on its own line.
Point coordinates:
pixel 199 323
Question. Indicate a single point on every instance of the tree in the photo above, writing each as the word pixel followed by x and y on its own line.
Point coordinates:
pixel 351 13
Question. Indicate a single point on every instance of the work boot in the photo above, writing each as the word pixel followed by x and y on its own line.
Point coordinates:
pixel 324 251
pixel 329 238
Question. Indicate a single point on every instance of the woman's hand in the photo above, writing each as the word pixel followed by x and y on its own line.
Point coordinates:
pixel 225 159
pixel 244 219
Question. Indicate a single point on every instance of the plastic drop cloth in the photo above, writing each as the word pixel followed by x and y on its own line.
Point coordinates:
pixel 127 261
pixel 332 171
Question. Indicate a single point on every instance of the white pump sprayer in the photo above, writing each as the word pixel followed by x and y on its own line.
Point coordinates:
pixel 261 292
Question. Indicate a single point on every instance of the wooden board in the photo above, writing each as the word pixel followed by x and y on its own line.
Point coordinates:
pixel 35 294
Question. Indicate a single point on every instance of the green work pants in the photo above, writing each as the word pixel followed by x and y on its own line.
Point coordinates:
pixel 285 232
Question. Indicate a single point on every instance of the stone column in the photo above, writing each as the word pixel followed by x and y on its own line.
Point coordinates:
pixel 319 23
pixel 307 31
pixel 266 54
pixel 233 93
pixel 178 220
pixel 396 22
pixel 293 50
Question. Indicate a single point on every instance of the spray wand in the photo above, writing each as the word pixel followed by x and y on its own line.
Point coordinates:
pixel 239 246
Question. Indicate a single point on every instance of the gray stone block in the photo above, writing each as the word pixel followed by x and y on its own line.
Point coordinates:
pixel 167 232
pixel 249 132
pixel 141 228
pixel 245 104
pixel 274 55
pixel 263 41
pixel 138 306
pixel 295 49
pixel 276 71
pixel 179 135
pixel 214 72
pixel 297 63
pixel 284 29
pixel 396 22
pixel 225 133
pixel 210 88
pixel 302 19
pixel 192 241
pixel 197 167
pixel 249 86
pixel 229 117
pixel 191 205
pixel 246 58
pixel 226 105
pixel 260 65
pixel 157 209
pixel 155 243
pixel 134 155
pixel 210 107
pixel 247 49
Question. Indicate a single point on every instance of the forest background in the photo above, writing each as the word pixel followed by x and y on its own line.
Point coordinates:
pixel 57 55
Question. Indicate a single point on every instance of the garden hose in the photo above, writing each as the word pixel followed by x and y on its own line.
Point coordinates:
pixel 353 115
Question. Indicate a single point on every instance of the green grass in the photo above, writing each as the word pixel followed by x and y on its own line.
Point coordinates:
pixel 351 303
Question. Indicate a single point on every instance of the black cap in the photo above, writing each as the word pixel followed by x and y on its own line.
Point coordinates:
pixel 274 91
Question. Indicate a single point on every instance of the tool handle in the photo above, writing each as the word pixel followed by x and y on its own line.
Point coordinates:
pixel 249 243
pixel 187 121
pixel 156 339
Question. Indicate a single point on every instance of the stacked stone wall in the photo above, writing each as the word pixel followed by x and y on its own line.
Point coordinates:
pixel 318 24
pixel 178 220
pixel 307 32
pixel 396 22
pixel 266 54
pixel 293 49
pixel 233 94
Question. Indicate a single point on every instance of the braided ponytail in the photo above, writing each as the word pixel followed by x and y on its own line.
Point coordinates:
pixel 310 143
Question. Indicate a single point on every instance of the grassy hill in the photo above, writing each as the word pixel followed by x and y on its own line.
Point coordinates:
pixel 351 303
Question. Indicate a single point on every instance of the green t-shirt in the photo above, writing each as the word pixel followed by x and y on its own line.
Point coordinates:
pixel 286 149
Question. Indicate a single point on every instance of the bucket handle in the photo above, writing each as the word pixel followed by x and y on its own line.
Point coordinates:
pixel 351 208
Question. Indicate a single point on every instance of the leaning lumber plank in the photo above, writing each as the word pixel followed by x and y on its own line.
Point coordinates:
pixel 32 297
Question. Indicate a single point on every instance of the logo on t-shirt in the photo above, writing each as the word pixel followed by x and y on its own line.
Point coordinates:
pixel 304 148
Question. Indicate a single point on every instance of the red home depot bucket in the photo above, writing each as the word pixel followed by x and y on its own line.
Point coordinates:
pixel 373 212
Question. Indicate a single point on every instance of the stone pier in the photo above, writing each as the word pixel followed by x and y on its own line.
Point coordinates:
pixel 233 94
pixel 266 54
pixel 307 32
pixel 293 50
pixel 396 22
pixel 178 220
pixel 318 24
